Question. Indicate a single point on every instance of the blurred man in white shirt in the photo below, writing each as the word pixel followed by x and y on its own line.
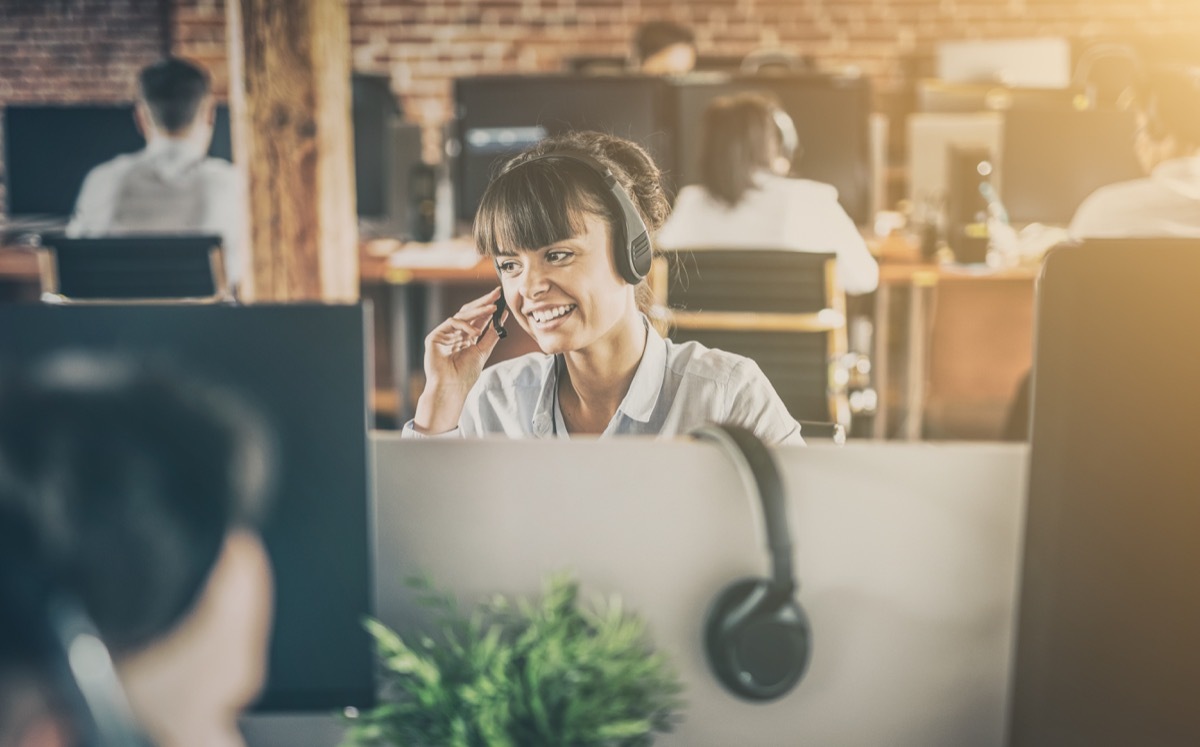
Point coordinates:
pixel 1166 202
pixel 170 186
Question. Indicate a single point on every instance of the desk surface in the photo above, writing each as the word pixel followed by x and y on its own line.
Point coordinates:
pixel 20 263
pixel 926 273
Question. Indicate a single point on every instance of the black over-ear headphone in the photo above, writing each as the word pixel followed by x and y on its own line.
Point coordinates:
pixel 631 239
pixel 57 636
pixel 757 637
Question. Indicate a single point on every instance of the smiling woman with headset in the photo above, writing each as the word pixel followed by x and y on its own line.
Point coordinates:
pixel 135 592
pixel 746 200
pixel 568 224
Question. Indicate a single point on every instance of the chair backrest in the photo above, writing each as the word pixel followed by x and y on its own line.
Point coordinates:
pixel 133 268
pixel 783 309
pixel 1106 647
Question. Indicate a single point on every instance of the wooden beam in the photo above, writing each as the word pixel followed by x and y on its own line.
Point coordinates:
pixel 290 115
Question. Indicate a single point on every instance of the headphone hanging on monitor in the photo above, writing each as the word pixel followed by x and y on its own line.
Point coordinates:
pixel 757 637
pixel 631 238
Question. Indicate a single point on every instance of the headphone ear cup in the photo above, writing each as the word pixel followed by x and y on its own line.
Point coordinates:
pixel 757 640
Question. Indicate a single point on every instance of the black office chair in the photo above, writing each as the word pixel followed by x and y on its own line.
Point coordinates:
pixel 785 310
pixel 144 268
pixel 1105 649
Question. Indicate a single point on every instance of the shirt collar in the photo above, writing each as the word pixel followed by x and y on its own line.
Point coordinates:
pixel 174 148
pixel 544 409
pixel 640 400
pixel 647 382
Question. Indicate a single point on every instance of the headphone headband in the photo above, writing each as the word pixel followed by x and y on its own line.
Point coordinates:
pixel 761 476
pixel 757 637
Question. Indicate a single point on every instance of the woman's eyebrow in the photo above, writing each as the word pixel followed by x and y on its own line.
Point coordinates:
pixel 571 242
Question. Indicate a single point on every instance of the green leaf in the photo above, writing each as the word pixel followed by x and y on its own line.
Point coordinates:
pixel 519 672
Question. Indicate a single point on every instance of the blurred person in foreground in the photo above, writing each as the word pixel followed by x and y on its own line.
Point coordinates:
pixel 135 591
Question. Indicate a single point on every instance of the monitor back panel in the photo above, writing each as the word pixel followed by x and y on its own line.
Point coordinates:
pixel 499 116
pixel 305 367
pixel 1107 650
pixel 1052 159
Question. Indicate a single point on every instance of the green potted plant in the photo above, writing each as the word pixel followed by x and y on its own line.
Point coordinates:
pixel 551 672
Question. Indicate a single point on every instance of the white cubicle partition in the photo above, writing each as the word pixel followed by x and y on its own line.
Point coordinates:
pixel 906 554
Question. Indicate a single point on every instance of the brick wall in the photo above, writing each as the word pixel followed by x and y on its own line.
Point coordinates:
pixel 74 50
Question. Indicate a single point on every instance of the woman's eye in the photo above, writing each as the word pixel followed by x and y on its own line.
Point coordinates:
pixel 558 256
pixel 508 267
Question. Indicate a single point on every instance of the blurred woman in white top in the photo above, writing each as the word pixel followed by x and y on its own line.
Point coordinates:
pixel 746 201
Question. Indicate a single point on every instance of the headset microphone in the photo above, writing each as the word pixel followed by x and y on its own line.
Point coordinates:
pixel 757 637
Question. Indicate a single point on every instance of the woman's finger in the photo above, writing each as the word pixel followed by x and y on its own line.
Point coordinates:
pixel 486 301
pixel 452 330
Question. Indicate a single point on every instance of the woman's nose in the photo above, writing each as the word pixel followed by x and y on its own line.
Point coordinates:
pixel 534 281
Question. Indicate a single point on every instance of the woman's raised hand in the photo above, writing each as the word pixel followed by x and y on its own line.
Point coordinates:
pixel 455 352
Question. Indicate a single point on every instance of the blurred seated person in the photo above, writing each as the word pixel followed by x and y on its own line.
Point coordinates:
pixel 746 200
pixel 1165 203
pixel 128 505
pixel 171 185
pixel 664 48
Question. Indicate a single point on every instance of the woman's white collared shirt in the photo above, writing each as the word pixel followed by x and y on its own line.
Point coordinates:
pixel 676 388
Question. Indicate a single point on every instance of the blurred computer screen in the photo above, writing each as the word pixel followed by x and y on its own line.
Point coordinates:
pixel 1052 159
pixel 305 367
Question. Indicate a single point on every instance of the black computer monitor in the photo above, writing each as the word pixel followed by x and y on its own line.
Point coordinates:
pixel 374 110
pixel 499 116
pixel 48 150
pixel 305 366
pixel 1107 650
pixel 1051 159
pixel 831 114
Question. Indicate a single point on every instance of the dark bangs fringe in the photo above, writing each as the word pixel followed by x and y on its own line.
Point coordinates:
pixel 534 205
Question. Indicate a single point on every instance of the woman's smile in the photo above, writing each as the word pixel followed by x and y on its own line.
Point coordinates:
pixel 546 317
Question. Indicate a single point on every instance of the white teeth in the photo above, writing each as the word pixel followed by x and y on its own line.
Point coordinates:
pixel 546 315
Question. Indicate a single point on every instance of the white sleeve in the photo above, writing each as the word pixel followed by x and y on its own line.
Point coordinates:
pixel 410 431
pixel 1092 218
pixel 857 269
pixel 92 215
pixel 677 232
pixel 226 216
pixel 753 403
